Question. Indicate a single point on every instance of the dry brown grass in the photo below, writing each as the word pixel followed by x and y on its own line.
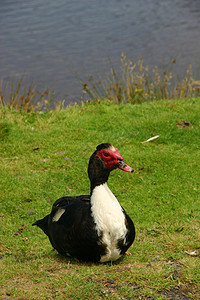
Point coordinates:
pixel 136 83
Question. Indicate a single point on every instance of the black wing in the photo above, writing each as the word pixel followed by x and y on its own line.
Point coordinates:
pixel 124 244
pixel 74 233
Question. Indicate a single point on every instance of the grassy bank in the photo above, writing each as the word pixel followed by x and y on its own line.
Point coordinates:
pixel 44 156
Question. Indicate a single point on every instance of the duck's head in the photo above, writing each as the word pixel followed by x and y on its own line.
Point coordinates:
pixel 105 159
pixel 111 158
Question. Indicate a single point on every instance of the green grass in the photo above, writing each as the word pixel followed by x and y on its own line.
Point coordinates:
pixel 161 196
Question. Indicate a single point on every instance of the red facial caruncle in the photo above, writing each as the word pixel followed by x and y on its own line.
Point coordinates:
pixel 112 159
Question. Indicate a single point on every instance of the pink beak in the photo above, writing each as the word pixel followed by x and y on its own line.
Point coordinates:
pixel 124 167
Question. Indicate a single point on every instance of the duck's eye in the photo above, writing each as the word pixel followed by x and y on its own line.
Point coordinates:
pixel 106 154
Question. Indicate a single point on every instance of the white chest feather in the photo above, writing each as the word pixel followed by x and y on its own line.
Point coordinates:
pixel 109 219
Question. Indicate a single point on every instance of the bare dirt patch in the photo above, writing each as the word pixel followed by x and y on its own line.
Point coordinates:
pixel 181 292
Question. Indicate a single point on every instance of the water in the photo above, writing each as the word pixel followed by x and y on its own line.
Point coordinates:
pixel 47 41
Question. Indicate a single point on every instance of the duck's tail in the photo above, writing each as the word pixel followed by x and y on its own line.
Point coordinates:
pixel 43 224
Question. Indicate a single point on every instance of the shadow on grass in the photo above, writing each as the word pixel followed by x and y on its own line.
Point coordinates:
pixel 64 259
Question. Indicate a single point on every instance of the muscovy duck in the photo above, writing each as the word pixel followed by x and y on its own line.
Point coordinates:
pixel 94 227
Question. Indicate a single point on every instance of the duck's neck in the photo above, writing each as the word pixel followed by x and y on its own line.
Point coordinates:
pixel 97 174
pixel 102 195
pixel 95 182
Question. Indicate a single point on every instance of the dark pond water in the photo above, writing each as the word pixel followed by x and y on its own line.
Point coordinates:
pixel 46 41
